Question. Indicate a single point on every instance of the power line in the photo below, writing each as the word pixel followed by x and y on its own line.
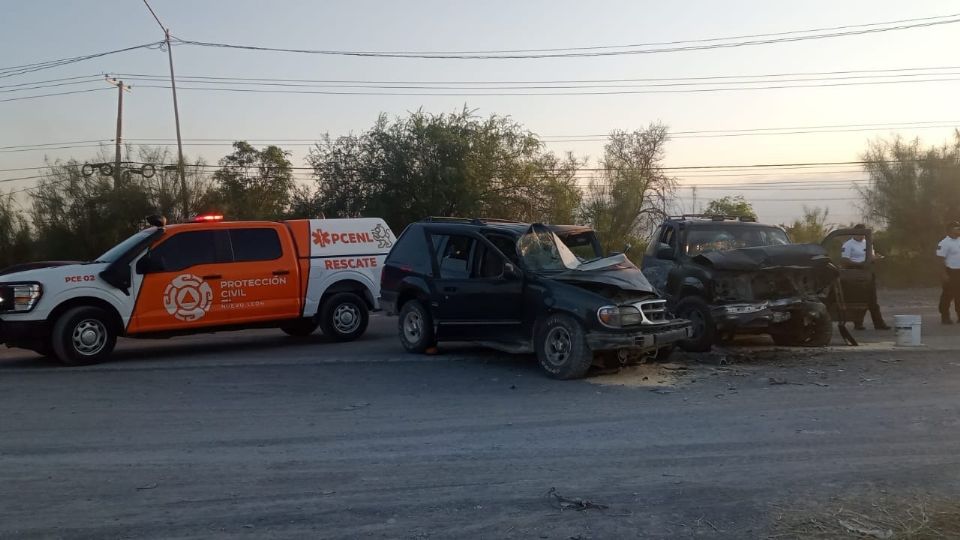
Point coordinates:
pixel 96 77
pixel 604 50
pixel 564 93
pixel 546 85
pixel 22 98
pixel 12 71
pixel 558 81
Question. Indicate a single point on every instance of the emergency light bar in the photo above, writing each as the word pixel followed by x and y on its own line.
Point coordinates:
pixel 205 218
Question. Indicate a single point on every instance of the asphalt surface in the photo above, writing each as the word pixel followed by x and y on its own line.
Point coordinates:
pixel 256 435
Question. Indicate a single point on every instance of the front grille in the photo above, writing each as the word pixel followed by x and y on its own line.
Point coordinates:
pixel 653 311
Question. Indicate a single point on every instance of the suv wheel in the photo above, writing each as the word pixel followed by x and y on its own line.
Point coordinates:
pixel 344 317
pixel 697 311
pixel 415 327
pixel 562 348
pixel 83 335
pixel 818 333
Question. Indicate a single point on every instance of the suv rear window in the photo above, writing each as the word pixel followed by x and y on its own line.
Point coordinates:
pixel 453 255
pixel 411 251
pixel 255 245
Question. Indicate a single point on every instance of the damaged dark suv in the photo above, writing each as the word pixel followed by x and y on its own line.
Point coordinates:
pixel 518 287
pixel 730 275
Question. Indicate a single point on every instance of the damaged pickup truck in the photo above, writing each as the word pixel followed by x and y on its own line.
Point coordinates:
pixel 733 276
pixel 520 288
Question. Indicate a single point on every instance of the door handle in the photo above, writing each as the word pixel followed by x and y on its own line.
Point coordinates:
pixel 450 289
pixel 212 276
pixel 281 272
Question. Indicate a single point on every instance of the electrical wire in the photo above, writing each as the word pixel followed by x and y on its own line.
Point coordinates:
pixel 38 96
pixel 604 50
pixel 11 71
pixel 564 93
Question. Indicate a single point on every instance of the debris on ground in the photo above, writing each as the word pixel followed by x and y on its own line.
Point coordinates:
pixel 857 527
pixel 562 503
pixel 642 375
pixel 915 517
pixel 355 406
pixel 777 381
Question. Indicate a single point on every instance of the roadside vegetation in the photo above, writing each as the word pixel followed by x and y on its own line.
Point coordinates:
pixel 406 168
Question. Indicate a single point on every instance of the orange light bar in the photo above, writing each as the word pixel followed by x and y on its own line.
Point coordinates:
pixel 208 217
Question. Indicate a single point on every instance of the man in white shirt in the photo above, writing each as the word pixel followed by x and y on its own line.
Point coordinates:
pixel 949 252
pixel 853 255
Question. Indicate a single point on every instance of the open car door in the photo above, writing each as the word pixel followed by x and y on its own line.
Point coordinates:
pixel 851 302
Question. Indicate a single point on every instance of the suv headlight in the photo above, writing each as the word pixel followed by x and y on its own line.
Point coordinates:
pixel 20 297
pixel 619 316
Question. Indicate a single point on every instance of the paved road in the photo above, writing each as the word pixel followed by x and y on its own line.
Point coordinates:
pixel 256 435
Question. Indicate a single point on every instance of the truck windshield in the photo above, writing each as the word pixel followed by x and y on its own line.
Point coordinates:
pixel 541 251
pixel 118 250
pixel 724 238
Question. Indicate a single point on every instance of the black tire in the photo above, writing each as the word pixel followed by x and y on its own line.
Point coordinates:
pixel 816 333
pixel 562 349
pixel 344 317
pixel 83 335
pixel 300 328
pixel 697 311
pixel 415 327
pixel 106 169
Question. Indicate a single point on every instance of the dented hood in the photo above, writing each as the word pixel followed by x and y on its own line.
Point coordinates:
pixel 616 270
pixel 758 258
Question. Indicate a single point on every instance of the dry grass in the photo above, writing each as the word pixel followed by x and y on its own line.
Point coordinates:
pixel 920 518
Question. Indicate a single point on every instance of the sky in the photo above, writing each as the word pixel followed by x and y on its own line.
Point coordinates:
pixel 46 29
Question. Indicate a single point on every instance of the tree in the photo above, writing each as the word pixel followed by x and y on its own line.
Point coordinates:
pixel 730 206
pixel 15 242
pixel 812 228
pixel 442 165
pixel 79 217
pixel 631 194
pixel 253 184
pixel 914 191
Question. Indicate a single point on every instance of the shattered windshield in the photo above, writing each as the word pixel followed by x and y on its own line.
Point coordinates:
pixel 542 251
pixel 725 238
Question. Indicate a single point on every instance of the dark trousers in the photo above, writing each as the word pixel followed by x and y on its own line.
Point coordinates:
pixel 950 293
pixel 872 306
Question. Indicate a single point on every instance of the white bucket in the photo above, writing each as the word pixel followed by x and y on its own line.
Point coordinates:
pixel 908 329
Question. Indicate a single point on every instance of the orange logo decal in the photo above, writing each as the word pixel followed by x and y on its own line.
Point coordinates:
pixel 187 297
pixel 321 238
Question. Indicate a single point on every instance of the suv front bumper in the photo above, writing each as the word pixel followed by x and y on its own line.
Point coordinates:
pixel 761 316
pixel 15 333
pixel 647 337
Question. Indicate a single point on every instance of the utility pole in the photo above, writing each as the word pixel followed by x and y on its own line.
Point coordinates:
pixel 184 196
pixel 117 173
pixel 693 190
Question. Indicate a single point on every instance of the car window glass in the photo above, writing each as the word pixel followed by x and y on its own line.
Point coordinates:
pixel 255 245
pixel 507 246
pixel 669 237
pixel 184 250
pixel 490 263
pixel 655 241
pixel 411 251
pixel 453 255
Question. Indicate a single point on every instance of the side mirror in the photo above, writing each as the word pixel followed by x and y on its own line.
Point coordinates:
pixel 665 252
pixel 510 271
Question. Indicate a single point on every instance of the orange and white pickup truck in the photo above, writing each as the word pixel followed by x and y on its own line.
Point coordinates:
pixel 197 277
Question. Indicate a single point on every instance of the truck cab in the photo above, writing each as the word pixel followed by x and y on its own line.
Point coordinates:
pixel 206 276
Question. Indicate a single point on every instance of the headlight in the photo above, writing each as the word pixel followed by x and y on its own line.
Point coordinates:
pixel 619 316
pixel 22 296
